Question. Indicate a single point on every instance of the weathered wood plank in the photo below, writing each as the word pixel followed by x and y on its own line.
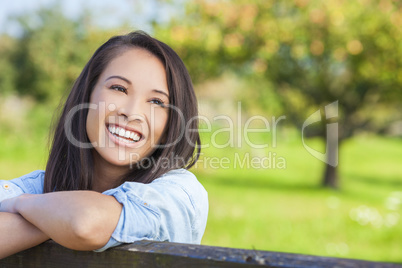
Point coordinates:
pixel 164 254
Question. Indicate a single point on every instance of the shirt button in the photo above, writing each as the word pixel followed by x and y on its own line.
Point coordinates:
pixel 145 204
pixel 6 187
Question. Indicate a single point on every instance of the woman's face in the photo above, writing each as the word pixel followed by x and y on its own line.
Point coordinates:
pixel 130 116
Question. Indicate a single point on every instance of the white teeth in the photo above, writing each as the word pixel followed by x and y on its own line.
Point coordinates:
pixel 136 137
pixel 121 133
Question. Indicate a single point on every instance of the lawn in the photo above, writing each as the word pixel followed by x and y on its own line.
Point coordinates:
pixel 286 209
pixel 276 204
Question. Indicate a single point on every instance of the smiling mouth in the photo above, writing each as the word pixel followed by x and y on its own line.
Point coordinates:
pixel 124 134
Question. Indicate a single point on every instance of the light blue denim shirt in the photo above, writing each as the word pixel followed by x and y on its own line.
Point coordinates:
pixel 174 207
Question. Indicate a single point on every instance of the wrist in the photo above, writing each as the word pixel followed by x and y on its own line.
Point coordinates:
pixel 9 205
pixel 20 201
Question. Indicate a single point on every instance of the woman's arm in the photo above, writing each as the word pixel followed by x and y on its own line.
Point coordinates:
pixel 17 234
pixel 80 220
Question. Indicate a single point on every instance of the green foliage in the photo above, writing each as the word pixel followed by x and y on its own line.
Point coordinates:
pixel 46 56
pixel 310 52
pixel 304 55
pixel 45 61
pixel 7 72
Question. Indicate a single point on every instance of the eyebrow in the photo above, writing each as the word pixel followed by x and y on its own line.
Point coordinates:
pixel 119 77
pixel 160 92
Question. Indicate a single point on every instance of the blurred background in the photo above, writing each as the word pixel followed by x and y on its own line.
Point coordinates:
pixel 262 65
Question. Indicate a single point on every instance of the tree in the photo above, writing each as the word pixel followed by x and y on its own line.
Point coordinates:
pixel 312 52
pixel 7 72
pixel 51 52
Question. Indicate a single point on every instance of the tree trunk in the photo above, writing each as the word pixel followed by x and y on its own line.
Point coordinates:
pixel 330 178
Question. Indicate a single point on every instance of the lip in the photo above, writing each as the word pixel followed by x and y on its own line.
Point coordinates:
pixel 122 143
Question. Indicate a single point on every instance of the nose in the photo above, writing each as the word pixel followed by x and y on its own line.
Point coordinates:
pixel 132 111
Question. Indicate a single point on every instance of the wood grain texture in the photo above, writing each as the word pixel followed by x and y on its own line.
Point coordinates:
pixel 165 254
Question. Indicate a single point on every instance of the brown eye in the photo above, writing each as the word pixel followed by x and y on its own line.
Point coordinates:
pixel 158 102
pixel 119 88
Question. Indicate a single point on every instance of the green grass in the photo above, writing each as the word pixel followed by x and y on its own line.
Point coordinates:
pixel 277 209
pixel 286 209
pixel 24 146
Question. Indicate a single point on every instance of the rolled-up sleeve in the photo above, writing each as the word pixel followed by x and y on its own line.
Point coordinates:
pixel 31 183
pixel 172 208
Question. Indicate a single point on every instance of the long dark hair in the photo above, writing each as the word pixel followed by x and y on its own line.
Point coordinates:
pixel 71 167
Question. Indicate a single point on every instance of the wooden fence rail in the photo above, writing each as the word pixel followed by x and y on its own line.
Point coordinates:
pixel 164 254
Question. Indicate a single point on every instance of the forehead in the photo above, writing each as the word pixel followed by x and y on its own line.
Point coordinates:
pixel 139 66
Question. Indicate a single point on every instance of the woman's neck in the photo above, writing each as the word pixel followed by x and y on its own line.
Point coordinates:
pixel 106 175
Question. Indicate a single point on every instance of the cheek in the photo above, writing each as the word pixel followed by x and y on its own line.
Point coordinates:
pixel 92 126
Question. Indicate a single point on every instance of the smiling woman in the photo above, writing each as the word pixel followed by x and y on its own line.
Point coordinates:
pixel 133 113
pixel 137 96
